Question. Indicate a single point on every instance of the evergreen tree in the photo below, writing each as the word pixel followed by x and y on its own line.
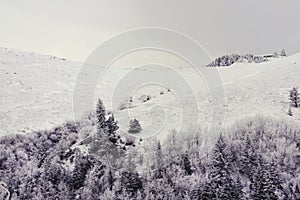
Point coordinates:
pixel 94 184
pixel 186 164
pixel 159 162
pixel 221 181
pixel 112 125
pixel 82 165
pixel 294 96
pixel 265 182
pixel 248 159
pixel 104 143
pixel 274 181
pixel 101 114
pixel 134 126
pixel 130 179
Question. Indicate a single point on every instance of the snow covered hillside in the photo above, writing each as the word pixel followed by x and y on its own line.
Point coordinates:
pixel 36 92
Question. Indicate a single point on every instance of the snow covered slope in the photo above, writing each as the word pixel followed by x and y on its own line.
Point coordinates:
pixel 36 92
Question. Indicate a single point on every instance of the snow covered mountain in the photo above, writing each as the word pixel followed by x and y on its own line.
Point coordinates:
pixel 36 92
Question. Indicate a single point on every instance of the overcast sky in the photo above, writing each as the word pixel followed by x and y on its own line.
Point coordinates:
pixel 74 28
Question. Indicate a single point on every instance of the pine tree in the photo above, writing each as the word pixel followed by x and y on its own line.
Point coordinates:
pixel 134 126
pixel 112 125
pixel 101 114
pixel 186 164
pixel 221 181
pixel 82 165
pixel 265 182
pixel 159 162
pixel 257 184
pixel 104 142
pixel 94 184
pixel 274 181
pixel 294 96
pixel 130 179
pixel 248 159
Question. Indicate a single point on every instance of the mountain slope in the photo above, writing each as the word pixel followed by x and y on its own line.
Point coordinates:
pixel 37 91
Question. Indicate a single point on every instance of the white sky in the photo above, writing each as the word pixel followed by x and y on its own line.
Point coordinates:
pixel 74 28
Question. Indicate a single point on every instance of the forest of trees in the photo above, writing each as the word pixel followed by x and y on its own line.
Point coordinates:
pixel 257 158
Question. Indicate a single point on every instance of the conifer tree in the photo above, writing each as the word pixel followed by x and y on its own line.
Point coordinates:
pixel 134 126
pixel 265 182
pixel 101 114
pixel 294 96
pixel 159 162
pixel 248 159
pixel 94 184
pixel 104 142
pixel 186 164
pixel 130 179
pixel 112 125
pixel 221 181
pixel 82 165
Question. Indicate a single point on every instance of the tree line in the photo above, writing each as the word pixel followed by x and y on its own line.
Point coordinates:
pixel 257 158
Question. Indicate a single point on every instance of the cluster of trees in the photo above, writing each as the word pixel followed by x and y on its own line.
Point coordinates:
pixel 256 159
pixel 228 60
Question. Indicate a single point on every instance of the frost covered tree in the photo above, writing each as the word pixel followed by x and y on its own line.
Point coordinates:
pixel 248 158
pixel 104 142
pixel 294 97
pixel 221 181
pixel 265 182
pixel 52 165
pixel 134 126
pixel 82 165
pixel 94 184
pixel 130 179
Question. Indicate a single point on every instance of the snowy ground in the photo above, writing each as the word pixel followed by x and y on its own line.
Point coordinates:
pixel 37 93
